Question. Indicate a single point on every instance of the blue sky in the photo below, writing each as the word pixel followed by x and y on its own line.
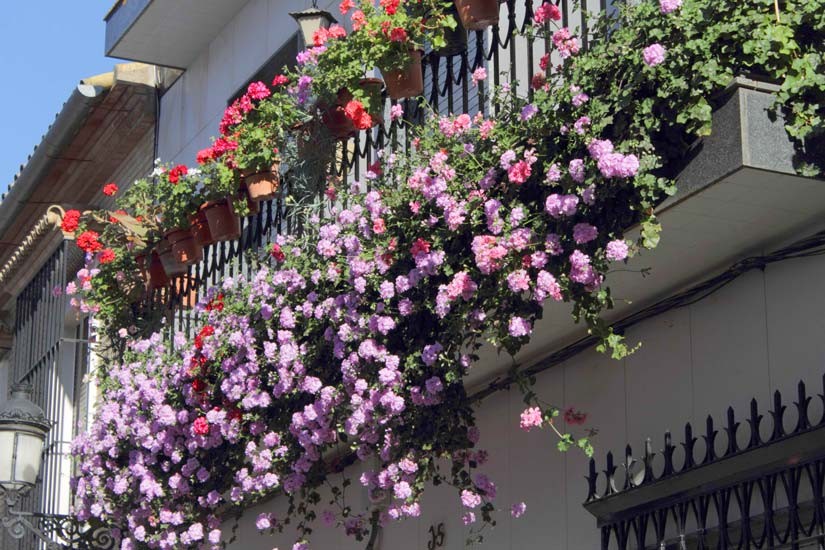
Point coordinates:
pixel 48 47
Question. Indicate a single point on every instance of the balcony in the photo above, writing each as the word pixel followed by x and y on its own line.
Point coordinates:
pixel 168 33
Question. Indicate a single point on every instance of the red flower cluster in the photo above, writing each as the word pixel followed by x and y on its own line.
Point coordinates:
pixel 420 246
pixel 216 304
pixel 398 34
pixel 87 242
pixel 198 385
pixel 358 20
pixel 320 37
pixel 205 155
pixel 574 417
pixel 354 110
pixel 71 219
pixel 177 172
pixel 277 253
pixel 200 426
pixel 110 189
pixel 280 80
pixel 204 332
pixel 390 6
pixel 546 12
pixel 345 6
pixel 107 256
pixel 258 91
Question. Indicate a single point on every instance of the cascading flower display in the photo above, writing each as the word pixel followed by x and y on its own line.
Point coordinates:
pixel 350 342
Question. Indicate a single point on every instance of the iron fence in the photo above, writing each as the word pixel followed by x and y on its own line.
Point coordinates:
pixel 753 484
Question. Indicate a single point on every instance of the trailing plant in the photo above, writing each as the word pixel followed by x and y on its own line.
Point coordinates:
pixel 352 340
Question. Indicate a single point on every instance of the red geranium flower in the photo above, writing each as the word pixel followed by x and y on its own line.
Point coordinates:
pixel 390 6
pixel 87 242
pixel 420 246
pixel 110 189
pixel 200 426
pixel 280 80
pixel 177 172
pixel 107 256
pixel 398 34
pixel 71 220
pixel 345 6
pixel 277 253
pixel 205 155
pixel 574 417
pixel 198 385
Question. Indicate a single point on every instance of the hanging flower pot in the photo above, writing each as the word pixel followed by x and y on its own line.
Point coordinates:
pixel 224 224
pixel 455 39
pixel 263 185
pixel 372 87
pixel 171 264
pixel 336 121
pixel 340 117
pixel 476 15
pixel 157 275
pixel 200 229
pixel 185 248
pixel 408 81
pixel 252 205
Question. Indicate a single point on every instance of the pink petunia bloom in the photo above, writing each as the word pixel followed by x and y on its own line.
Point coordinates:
pixel 669 6
pixel 654 55
pixel 479 75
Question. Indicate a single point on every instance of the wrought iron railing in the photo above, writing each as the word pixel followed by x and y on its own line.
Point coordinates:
pixel 757 484
pixel 507 57
pixel 42 358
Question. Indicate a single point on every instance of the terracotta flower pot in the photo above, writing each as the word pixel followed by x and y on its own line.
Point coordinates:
pixel 263 185
pixel 185 248
pixel 157 275
pixel 171 265
pixel 224 224
pixel 200 229
pixel 339 126
pixel 406 82
pixel 335 117
pixel 476 15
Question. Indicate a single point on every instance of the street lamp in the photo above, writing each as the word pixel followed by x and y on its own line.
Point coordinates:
pixel 312 19
pixel 23 429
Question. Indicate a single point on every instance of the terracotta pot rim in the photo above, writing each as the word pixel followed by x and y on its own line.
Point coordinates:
pixel 212 204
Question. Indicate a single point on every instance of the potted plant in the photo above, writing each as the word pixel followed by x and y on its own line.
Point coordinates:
pixel 392 36
pixel 477 15
pixel 259 122
pixel 221 183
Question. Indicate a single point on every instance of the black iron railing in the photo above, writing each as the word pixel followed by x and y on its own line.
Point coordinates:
pixel 752 484
pixel 448 89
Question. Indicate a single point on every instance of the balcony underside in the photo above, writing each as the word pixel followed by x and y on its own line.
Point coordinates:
pixel 169 33
pixel 738 197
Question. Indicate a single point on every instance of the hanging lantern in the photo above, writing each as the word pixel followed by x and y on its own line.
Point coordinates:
pixel 23 429
pixel 312 19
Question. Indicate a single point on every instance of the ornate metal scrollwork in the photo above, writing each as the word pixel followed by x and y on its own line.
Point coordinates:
pixel 56 532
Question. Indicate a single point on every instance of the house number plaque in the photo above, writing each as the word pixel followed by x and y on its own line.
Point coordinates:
pixel 436 537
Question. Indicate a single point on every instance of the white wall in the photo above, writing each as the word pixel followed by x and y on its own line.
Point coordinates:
pixel 761 333
pixel 192 108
